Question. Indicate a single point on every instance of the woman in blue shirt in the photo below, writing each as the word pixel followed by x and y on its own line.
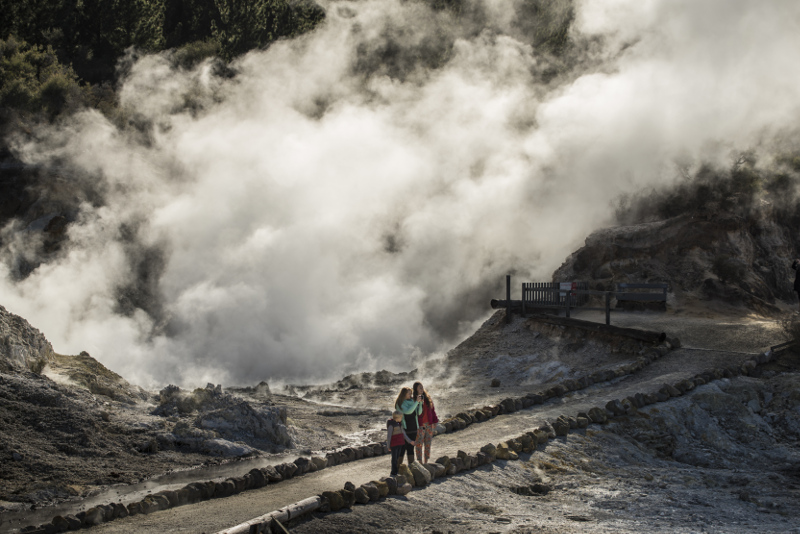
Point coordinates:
pixel 411 410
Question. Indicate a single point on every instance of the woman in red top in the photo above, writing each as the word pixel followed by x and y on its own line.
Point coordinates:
pixel 427 422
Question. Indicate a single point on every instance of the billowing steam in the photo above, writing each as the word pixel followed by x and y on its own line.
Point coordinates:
pixel 353 198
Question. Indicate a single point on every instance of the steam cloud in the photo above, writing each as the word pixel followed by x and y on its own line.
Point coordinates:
pixel 319 213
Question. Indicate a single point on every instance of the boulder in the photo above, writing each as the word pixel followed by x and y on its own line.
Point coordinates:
pixel 154 503
pixel 571 384
pixel 528 443
pixel 431 469
pixel 439 470
pixel 271 474
pixel 685 386
pixel 406 472
pixel 422 477
pixel 489 449
pixel 383 487
pixel 457 464
pixel 256 479
pixel 348 498
pixel 373 491
pixel 286 470
pixel 391 484
pixel 335 501
pixel 670 390
pixel 362 497
pixel 348 454
pixel 503 451
pixel 94 516
pixel 120 510
pixel 404 489
pixel 243 422
pixel 630 408
pixel 220 447
pixel 598 415
pixel 172 497
pixel 319 462
pixel 541 436
pixel 443 460
pixel 547 427
pixel 222 489
pixel 466 417
pixel 303 465
pixel 582 421
pixel 561 427
pixel 615 407
pixel 22 347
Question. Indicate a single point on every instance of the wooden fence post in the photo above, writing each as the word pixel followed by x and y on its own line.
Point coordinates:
pixel 508 298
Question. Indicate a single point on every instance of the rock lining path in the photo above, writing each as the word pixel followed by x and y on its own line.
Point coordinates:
pixel 729 344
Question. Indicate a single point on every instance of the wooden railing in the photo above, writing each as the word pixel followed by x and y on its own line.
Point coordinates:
pixel 568 295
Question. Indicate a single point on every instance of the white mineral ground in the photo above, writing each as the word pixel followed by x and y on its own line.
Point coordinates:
pixel 723 458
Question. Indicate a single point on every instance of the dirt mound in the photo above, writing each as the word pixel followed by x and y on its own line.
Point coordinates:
pixel 85 372
pixel 739 260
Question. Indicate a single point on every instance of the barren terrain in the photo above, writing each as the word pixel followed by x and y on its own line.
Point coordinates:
pixel 723 458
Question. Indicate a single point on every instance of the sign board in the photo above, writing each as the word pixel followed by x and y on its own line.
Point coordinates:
pixel 564 287
pixel 568 286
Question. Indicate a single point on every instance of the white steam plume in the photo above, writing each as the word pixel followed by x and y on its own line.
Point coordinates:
pixel 314 220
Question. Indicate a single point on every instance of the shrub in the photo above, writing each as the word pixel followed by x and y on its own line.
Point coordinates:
pixel 33 81
pixel 192 54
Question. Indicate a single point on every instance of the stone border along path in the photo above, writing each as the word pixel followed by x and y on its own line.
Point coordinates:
pixel 420 475
pixel 258 478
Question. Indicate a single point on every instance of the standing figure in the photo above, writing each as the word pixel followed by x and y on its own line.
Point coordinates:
pixel 396 439
pixel 411 410
pixel 796 267
pixel 427 422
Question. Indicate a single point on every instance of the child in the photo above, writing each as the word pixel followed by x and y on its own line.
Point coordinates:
pixel 396 439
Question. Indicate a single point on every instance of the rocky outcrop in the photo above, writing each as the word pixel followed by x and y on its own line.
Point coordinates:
pixel 248 423
pixel 22 347
pixel 735 259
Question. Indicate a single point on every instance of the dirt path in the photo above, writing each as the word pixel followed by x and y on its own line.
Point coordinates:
pixel 730 344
